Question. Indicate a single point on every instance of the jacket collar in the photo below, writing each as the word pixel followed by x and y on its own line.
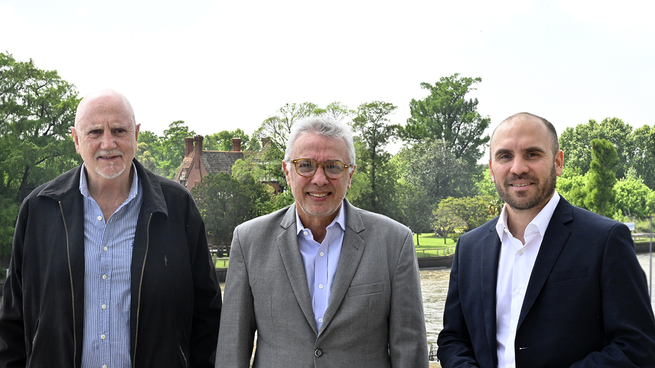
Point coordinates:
pixel 66 185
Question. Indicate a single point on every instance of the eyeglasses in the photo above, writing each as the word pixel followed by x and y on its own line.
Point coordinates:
pixel 307 167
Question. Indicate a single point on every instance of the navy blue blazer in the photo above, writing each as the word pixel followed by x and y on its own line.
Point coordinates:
pixel 586 305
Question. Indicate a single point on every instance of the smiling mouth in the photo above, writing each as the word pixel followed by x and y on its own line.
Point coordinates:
pixel 521 185
pixel 318 195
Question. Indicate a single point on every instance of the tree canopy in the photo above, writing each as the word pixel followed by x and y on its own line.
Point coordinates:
pixel 37 110
pixel 447 114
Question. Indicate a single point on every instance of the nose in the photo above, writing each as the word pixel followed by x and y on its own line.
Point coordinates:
pixel 519 166
pixel 108 141
pixel 319 177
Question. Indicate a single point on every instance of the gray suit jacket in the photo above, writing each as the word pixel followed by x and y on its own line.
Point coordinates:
pixel 375 313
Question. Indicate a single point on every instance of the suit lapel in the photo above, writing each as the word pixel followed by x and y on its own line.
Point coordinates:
pixel 489 266
pixel 551 247
pixel 352 250
pixel 287 243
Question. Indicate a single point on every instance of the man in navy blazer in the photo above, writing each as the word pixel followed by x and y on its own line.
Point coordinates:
pixel 545 284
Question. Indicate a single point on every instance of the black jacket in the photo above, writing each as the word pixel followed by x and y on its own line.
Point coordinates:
pixel 176 300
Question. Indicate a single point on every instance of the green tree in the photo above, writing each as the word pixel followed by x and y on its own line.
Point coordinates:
pixel 375 132
pixel 37 110
pixel 577 147
pixel 277 127
pixel 432 166
pixel 600 194
pixel 446 219
pixel 571 185
pixel 632 197
pixel 225 202
pixel 643 155
pixel 447 115
pixel 222 141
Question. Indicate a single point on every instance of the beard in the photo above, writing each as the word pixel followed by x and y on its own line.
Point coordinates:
pixel 113 173
pixel 544 191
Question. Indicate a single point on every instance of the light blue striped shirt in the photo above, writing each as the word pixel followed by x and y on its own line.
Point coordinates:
pixel 107 261
pixel 321 261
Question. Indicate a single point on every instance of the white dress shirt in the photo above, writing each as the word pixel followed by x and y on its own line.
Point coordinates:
pixel 514 270
pixel 321 261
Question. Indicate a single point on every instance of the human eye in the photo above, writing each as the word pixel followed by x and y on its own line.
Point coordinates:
pixel 93 133
pixel 305 164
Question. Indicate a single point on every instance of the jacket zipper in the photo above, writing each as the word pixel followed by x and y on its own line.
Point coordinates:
pixel 186 362
pixel 70 274
pixel 138 306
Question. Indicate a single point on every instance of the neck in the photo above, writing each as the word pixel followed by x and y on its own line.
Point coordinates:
pixel 111 193
pixel 318 225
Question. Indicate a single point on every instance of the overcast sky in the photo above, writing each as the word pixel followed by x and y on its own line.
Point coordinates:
pixel 222 65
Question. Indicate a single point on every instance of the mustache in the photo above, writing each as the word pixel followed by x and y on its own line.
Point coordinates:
pixel 109 153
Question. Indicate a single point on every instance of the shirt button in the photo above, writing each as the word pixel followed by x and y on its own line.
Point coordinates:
pixel 321 254
pixel 320 320
pixel 104 277
pixel 103 337
pixel 320 286
pixel 305 233
pixel 518 291
pixel 105 248
pixel 99 218
pixel 104 306
pixel 520 252
pixel 104 366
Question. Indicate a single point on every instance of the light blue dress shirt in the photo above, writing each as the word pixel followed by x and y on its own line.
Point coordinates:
pixel 107 261
pixel 321 261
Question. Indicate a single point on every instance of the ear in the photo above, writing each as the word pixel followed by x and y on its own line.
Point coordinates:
pixel 559 162
pixel 491 173
pixel 350 176
pixel 75 139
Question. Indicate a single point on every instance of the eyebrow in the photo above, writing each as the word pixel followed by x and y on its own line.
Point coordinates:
pixel 501 151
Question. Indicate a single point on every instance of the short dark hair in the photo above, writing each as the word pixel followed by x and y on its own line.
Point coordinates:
pixel 551 128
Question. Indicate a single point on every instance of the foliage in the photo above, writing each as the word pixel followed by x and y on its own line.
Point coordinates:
pixel 167 151
pixel 447 115
pixel 277 127
pixel 600 194
pixel 222 141
pixel 577 143
pixel 338 111
pixel 571 185
pixel 226 202
pixel 432 166
pixel 37 109
pixel 632 198
pixel 486 187
pixel 643 156
pixel 375 132
pixel 472 211
pixel 446 221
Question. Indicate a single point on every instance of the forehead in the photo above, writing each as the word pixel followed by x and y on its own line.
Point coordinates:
pixel 521 133
pixel 320 148
pixel 104 110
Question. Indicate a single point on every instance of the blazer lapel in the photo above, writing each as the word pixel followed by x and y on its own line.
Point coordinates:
pixel 489 266
pixel 352 250
pixel 551 247
pixel 287 243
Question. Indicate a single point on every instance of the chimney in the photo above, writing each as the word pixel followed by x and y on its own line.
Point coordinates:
pixel 188 146
pixel 236 144
pixel 198 140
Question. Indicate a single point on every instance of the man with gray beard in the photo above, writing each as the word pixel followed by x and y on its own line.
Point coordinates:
pixel 110 265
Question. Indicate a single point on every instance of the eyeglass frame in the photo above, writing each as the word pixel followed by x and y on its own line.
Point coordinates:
pixel 320 165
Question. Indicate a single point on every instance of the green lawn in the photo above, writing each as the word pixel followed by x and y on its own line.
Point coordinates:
pixel 428 246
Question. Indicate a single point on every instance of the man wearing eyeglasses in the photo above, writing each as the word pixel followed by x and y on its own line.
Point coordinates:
pixel 322 283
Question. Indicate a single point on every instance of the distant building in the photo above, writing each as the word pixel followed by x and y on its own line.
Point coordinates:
pixel 198 163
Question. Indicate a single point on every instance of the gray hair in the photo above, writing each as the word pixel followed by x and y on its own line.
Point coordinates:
pixel 325 126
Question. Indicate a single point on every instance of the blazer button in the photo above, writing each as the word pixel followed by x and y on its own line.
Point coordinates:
pixel 318 353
